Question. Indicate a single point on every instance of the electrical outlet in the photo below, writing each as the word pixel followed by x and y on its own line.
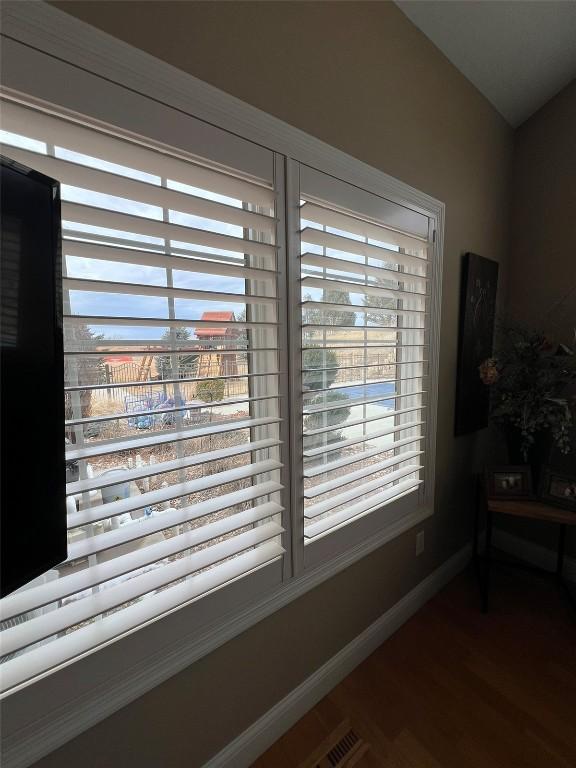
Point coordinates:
pixel 419 543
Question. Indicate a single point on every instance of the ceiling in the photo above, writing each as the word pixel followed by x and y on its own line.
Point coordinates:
pixel 518 53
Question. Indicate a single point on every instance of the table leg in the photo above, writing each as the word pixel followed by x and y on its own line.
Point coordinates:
pixel 475 544
pixel 561 551
pixel 487 559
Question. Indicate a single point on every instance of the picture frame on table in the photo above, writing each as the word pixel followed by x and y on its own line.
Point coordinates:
pixel 509 482
pixel 558 488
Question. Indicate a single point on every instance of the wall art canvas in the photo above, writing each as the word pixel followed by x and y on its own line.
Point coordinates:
pixel 476 333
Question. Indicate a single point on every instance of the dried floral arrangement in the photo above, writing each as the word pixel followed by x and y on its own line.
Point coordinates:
pixel 530 380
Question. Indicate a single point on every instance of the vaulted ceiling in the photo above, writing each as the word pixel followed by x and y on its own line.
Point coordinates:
pixel 517 53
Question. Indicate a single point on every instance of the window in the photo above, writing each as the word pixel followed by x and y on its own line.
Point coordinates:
pixel 363 383
pixel 248 385
pixel 174 449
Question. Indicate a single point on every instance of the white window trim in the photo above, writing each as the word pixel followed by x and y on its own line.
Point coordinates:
pixel 93 687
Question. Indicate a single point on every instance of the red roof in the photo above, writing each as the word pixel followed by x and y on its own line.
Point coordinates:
pixel 227 317
pixel 118 359
pixel 221 331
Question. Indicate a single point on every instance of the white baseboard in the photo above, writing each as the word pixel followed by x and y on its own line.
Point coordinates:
pixel 256 739
pixel 542 557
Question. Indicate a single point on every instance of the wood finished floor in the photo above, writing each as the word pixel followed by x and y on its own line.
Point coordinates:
pixel 457 689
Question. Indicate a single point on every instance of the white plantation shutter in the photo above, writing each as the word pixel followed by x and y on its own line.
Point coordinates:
pixel 364 368
pixel 173 415
pixel 177 300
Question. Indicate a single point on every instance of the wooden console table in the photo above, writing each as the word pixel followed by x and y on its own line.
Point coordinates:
pixel 534 510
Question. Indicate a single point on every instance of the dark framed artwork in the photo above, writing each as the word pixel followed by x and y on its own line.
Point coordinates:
pixel 476 332
pixel 558 488
pixel 509 482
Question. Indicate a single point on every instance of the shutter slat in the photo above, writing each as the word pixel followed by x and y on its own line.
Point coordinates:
pixel 149 258
pixel 366 420
pixel 351 477
pixel 321 469
pixel 150 470
pixel 358 248
pixel 169 250
pixel 190 406
pixel 369 504
pixel 125 222
pixel 322 507
pixel 74 233
pixel 159 382
pixel 368 366
pixel 338 220
pixel 337 344
pixel 328 306
pixel 334 264
pixel 102 348
pixel 338 445
pixel 160 322
pixel 105 182
pixel 327 283
pixel 363 401
pixel 140 529
pixel 310 327
pixel 141 289
pixel 113 446
pixel 151 498
pixel 369 383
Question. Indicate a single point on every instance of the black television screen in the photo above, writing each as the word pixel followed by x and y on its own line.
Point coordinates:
pixel 32 480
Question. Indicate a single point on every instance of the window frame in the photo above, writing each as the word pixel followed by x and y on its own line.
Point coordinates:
pixel 52 57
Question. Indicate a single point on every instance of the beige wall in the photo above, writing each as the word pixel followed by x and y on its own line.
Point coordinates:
pixel 361 77
pixel 542 292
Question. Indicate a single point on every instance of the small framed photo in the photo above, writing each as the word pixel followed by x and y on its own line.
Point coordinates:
pixel 558 488
pixel 509 482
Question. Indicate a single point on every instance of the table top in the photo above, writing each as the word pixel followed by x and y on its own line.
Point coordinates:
pixel 536 510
